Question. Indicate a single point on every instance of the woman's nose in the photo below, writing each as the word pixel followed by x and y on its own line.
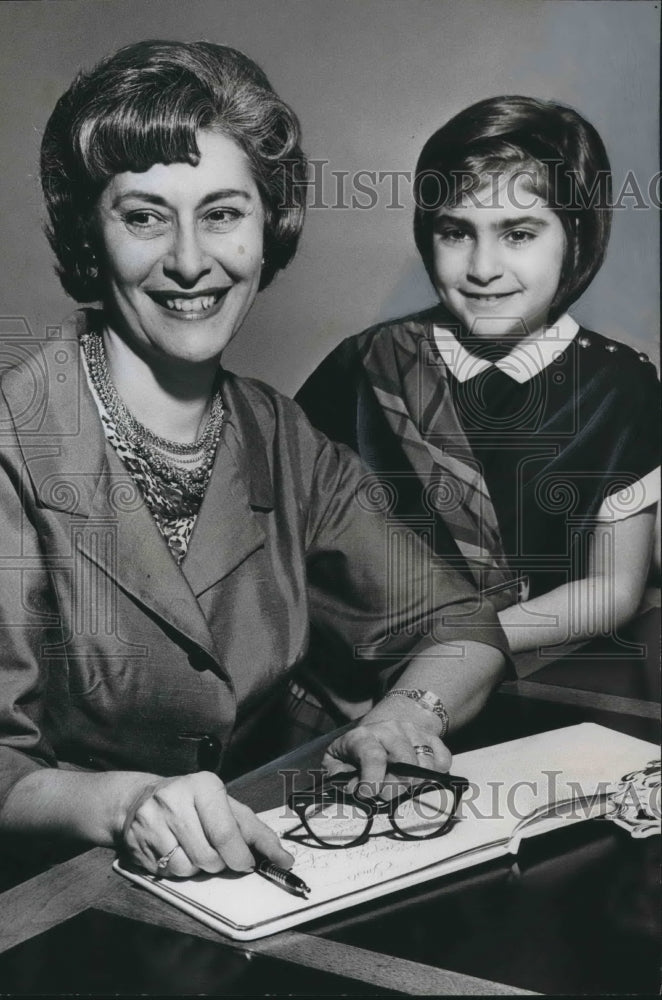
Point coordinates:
pixel 187 260
pixel 485 262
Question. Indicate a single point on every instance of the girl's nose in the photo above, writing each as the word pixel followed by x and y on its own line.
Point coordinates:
pixel 485 262
pixel 187 260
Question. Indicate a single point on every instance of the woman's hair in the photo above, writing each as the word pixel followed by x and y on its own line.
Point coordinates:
pixel 144 105
pixel 564 162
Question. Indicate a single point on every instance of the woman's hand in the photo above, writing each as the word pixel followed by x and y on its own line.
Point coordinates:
pixel 390 732
pixel 462 678
pixel 205 828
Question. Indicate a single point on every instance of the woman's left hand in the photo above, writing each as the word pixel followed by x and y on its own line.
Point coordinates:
pixel 390 732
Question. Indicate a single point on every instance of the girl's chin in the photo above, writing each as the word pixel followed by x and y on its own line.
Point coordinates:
pixel 487 329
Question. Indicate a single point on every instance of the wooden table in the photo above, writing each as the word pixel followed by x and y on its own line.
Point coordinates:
pixel 577 913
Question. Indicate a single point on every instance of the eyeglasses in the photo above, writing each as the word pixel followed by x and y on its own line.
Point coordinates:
pixel 334 817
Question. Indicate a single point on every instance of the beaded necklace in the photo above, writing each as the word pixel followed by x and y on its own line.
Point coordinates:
pixel 186 467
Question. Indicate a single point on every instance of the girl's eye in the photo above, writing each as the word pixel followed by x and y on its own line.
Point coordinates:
pixel 519 236
pixel 450 235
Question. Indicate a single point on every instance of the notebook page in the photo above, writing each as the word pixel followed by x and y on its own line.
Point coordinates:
pixel 508 783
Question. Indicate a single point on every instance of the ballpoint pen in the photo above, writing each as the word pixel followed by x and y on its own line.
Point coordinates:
pixel 280 876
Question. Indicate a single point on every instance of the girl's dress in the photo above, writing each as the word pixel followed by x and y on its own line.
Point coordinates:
pixel 503 464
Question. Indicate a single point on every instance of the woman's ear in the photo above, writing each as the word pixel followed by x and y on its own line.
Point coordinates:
pixel 89 242
pixel 90 262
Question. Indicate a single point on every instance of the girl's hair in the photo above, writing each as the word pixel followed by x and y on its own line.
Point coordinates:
pixel 563 160
pixel 144 105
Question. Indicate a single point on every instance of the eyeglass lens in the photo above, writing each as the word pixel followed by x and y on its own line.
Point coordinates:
pixel 426 813
pixel 337 823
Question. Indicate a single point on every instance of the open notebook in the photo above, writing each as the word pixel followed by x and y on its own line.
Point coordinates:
pixel 518 789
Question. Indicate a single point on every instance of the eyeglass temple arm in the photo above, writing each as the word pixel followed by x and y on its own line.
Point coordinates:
pixel 403 770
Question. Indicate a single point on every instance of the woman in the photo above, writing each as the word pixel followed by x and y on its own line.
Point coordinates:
pixel 540 438
pixel 171 530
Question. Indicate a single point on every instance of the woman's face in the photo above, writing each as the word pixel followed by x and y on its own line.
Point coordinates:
pixel 497 259
pixel 182 252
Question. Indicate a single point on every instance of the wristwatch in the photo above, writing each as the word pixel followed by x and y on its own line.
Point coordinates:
pixel 427 700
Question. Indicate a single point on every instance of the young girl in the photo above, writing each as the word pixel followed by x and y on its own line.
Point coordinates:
pixel 522 445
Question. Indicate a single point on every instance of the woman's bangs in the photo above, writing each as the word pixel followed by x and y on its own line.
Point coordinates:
pixel 136 136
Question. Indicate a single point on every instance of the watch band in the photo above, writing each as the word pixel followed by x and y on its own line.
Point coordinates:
pixel 427 700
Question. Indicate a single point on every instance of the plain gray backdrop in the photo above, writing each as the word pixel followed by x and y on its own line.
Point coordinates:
pixel 370 80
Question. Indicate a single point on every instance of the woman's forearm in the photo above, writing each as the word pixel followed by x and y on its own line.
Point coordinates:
pixel 461 675
pixel 187 823
pixel 401 729
pixel 75 804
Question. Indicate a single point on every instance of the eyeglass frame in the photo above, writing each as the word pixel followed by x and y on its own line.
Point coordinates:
pixel 328 792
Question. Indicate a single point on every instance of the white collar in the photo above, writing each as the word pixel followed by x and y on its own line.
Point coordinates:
pixel 531 356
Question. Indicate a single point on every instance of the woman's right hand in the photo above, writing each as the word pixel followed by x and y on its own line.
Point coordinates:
pixel 209 830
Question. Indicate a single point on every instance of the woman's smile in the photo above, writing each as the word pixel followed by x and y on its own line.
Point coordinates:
pixel 192 306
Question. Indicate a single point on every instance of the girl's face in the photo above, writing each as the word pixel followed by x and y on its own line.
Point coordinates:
pixel 182 249
pixel 497 257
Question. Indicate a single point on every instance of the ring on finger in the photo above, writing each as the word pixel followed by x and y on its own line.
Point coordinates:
pixel 164 860
pixel 423 750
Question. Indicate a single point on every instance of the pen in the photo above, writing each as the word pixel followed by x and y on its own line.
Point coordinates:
pixel 280 876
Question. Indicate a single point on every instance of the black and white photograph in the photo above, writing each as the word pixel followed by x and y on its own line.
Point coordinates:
pixel 329 498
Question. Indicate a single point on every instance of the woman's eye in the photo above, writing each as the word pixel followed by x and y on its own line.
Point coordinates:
pixel 222 219
pixel 143 221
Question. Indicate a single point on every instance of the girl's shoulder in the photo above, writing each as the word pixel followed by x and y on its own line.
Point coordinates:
pixel 412 326
pixel 607 351
pixel 614 359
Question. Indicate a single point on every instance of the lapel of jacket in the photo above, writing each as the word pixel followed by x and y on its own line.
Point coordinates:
pixel 73 470
pixel 227 529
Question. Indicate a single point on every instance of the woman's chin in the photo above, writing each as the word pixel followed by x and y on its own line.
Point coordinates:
pixel 191 355
pixel 167 337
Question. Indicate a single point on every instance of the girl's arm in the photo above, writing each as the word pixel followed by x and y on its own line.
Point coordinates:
pixel 600 603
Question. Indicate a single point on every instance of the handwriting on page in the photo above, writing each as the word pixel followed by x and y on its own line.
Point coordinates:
pixel 383 856
pixel 361 863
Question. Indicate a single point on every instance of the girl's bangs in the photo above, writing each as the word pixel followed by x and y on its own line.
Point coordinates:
pixel 495 174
